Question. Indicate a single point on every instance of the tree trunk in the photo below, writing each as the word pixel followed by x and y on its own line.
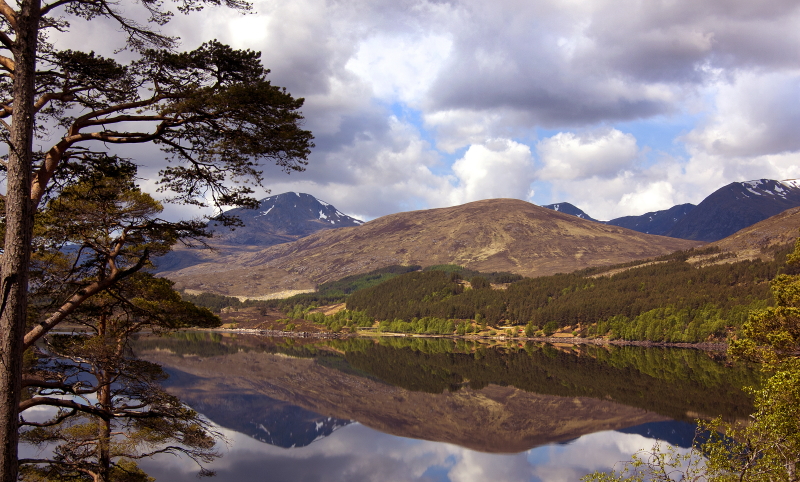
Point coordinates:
pixel 19 228
pixel 104 429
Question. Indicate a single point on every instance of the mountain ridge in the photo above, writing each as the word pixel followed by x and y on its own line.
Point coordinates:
pixel 279 219
pixel 727 210
pixel 489 235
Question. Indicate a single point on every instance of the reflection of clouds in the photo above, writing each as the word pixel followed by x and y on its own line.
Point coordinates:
pixel 358 453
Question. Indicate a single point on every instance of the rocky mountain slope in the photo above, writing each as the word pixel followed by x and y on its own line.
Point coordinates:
pixel 278 219
pixel 656 222
pixel 568 208
pixel 736 206
pixel 491 235
pixel 724 212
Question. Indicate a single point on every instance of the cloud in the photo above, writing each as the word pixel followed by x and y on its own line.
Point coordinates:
pixel 751 117
pixel 399 174
pixel 499 168
pixel 483 78
pixel 569 156
pixel 400 68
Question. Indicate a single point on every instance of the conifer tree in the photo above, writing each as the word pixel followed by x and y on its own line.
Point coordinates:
pixel 111 408
pixel 212 111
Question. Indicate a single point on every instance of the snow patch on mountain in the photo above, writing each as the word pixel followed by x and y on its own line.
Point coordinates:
pixel 791 183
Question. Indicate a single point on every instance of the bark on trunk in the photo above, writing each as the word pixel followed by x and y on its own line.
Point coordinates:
pixel 19 228
pixel 104 435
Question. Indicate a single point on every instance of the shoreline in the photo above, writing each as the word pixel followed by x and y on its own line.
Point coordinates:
pixel 706 346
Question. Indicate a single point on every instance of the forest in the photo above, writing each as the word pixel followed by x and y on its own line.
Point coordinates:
pixel 669 300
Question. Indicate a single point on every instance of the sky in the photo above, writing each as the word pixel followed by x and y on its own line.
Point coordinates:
pixel 617 106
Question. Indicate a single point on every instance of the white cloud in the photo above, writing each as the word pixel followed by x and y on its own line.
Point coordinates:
pixel 400 68
pixel 571 156
pixel 481 71
pixel 499 168
pixel 752 116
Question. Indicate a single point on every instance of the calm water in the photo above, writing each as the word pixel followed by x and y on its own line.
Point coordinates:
pixel 403 409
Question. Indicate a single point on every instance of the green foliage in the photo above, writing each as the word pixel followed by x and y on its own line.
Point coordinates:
pixel 425 325
pixel 671 301
pixel 215 303
pixel 328 293
pixel 110 407
pixel 479 283
pixel 464 273
pixel 768 448
pixel 344 319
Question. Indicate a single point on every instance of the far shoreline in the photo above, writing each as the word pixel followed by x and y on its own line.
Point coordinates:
pixel 562 340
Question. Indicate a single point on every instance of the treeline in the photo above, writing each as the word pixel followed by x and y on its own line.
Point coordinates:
pixel 216 303
pixel 427 325
pixel 338 291
pixel 326 294
pixel 498 277
pixel 670 300
pixel 343 320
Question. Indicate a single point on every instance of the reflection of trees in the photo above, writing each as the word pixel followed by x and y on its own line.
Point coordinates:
pixel 671 382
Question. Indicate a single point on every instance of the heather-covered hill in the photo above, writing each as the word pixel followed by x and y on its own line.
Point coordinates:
pixel 491 235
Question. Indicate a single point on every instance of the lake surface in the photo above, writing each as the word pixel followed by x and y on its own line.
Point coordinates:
pixel 402 409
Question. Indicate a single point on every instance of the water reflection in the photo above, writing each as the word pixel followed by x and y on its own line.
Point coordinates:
pixel 358 453
pixel 402 409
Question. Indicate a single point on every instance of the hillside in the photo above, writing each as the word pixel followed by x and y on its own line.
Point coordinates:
pixel 281 218
pixel 760 240
pixel 735 207
pixel 688 296
pixel 491 235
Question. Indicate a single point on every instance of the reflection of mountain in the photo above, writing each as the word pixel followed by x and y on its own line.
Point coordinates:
pixel 489 399
pixel 674 432
pixel 263 418
pixel 493 419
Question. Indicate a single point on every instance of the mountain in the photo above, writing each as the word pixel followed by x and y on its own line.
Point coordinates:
pixel 724 212
pixel 490 235
pixel 736 206
pixel 278 219
pixel 568 208
pixel 656 222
